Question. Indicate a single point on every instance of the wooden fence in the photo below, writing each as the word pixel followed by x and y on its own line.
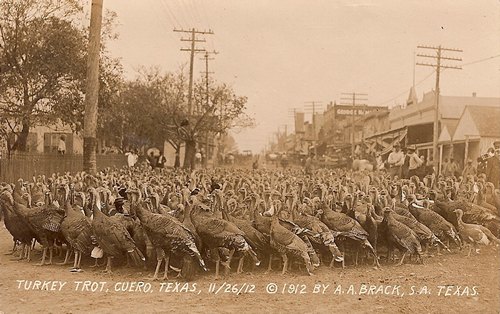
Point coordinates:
pixel 27 165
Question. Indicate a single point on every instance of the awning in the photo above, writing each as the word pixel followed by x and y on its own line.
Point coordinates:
pixel 384 142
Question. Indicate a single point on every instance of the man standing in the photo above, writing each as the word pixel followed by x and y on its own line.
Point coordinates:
pixel 152 160
pixel 309 164
pixel 61 147
pixel 160 162
pixel 451 168
pixel 131 158
pixel 414 162
pixel 493 167
pixel 395 161
pixel 469 169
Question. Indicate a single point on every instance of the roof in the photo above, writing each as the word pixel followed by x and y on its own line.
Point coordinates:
pixel 452 107
pixel 486 120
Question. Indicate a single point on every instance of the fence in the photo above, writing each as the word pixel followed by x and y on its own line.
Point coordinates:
pixel 27 165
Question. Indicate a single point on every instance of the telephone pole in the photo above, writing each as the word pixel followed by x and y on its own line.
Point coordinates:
pixel 192 51
pixel 438 66
pixel 352 99
pixel 92 89
pixel 313 105
pixel 207 73
pixel 293 113
pixel 206 57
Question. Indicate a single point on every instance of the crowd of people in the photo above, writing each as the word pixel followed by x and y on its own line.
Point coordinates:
pixel 407 163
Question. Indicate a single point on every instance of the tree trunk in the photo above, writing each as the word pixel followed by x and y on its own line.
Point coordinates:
pixel 177 162
pixel 189 155
pixel 22 138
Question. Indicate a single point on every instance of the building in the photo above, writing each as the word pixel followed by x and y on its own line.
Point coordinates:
pixel 413 124
pixel 475 132
pixel 45 139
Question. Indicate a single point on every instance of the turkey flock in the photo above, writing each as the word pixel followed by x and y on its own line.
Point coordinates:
pixel 244 219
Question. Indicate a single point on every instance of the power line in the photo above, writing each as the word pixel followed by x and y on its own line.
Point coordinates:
pixel 431 73
pixel 192 51
pixel 170 13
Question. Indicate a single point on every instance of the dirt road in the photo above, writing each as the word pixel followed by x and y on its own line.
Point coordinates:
pixel 452 283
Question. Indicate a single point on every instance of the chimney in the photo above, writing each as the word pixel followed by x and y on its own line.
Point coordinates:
pixel 474 94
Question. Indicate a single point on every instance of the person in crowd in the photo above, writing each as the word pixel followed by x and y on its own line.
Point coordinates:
pixel 61 146
pixel 395 161
pixel 493 169
pixel 152 160
pixel 445 166
pixel 284 161
pixel 132 158
pixel 414 162
pixel 469 169
pixel 453 168
pixel 309 166
pixel 482 160
pixel 161 162
pixel 197 157
pixel 255 164
pixel 406 164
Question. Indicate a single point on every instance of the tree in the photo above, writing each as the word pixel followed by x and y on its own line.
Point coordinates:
pixel 154 109
pixel 216 111
pixel 43 64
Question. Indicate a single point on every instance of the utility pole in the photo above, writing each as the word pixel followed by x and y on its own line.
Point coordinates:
pixel 207 58
pixel 352 99
pixel 438 66
pixel 292 112
pixel 92 89
pixel 192 51
pixel 313 106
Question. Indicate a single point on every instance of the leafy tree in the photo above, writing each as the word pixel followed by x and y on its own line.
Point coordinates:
pixel 43 66
pixel 154 109
pixel 43 63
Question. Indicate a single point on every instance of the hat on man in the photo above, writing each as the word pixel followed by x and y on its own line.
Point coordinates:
pixel 412 148
pixel 496 144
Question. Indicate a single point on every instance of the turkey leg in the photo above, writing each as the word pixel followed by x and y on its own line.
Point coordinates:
pixel 285 263
pixel 167 261
pixel 44 254
pixel 402 259
pixel 108 266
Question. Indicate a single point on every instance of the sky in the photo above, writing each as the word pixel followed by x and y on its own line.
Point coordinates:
pixel 284 53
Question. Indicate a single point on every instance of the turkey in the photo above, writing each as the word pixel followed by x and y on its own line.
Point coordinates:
pixel 286 242
pixel 112 236
pixel 77 230
pixel 168 236
pixel 253 236
pixel 16 225
pixel 346 227
pixel 218 233
pixel 472 213
pixel 423 233
pixel 44 221
pixel 321 234
pixel 401 236
pixel 436 223
pixel 474 234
